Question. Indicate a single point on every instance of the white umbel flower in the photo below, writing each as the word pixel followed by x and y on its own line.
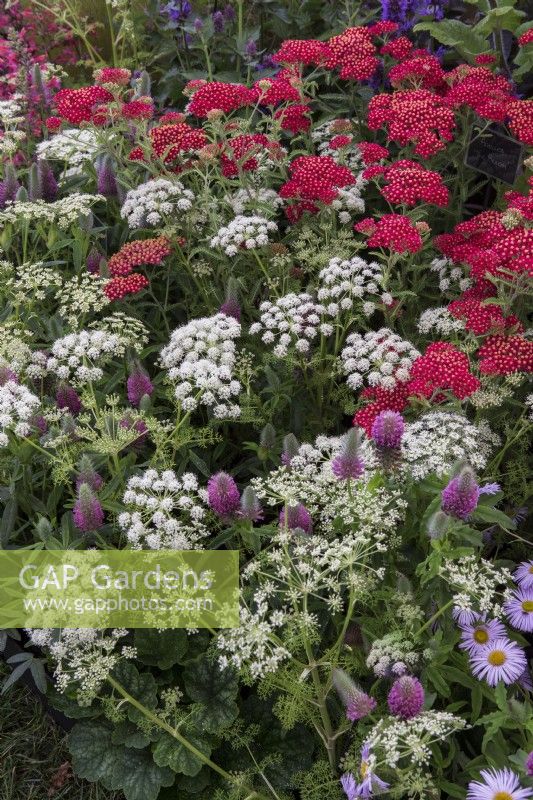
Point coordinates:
pixel 354 282
pixel 292 322
pixel 151 203
pixel 17 407
pixel 379 358
pixel 200 359
pixel 244 232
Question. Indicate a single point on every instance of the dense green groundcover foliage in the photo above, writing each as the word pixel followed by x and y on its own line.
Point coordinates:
pixel 265 279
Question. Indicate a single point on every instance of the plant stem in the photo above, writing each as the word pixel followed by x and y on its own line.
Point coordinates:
pixel 435 616
pixel 181 739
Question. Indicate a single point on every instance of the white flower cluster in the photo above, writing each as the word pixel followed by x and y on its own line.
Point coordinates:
pixel 63 212
pixel 73 146
pixel 440 321
pixel 83 656
pixel 11 116
pixel 15 351
pixel 342 284
pixel 529 406
pixel 29 282
pixel 166 512
pixel 478 586
pixel 254 645
pixel 10 142
pixel 439 439
pixel 393 654
pixel 200 359
pixel 17 406
pixel 248 232
pixel 252 199
pixel 152 202
pixel 374 513
pixel 80 296
pixel 11 111
pixel 398 740
pixel 450 275
pixel 294 320
pixel 78 357
pixel 381 358
pixel 349 201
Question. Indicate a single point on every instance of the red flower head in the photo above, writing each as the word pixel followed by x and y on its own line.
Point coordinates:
pixel 301 51
pixel 520 113
pixel 383 28
pixel 372 153
pixel 488 94
pixel 421 71
pixel 53 123
pixel 526 38
pixel 353 53
pixel 442 366
pixel 397 48
pixel 171 118
pixel 381 400
pixel 413 117
pixel 393 231
pixel 143 108
pixel 409 183
pixel 520 202
pixel 79 105
pixel 481 318
pixel 295 118
pixel 485 58
pixel 316 178
pixel 119 287
pixel 273 91
pixel 242 153
pixel 169 141
pixel 112 75
pixel 217 96
pixel 502 355
pixel 134 254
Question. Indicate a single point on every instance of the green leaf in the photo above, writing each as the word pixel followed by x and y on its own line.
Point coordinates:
pixel 452 789
pixel 503 17
pixel 494 515
pixel 160 649
pixel 214 691
pixel 453 33
pixel 141 686
pixel 477 701
pixel 96 758
pixel 168 752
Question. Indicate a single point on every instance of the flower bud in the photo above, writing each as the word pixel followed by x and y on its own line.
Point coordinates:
pixel 348 463
pixel 291 445
pixel 358 704
pixel 88 514
pixel 223 494
pixel 461 495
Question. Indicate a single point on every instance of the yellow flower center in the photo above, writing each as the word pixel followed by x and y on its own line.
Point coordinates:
pixel 496 659
pixel 527 605
pixel 502 796
pixel 364 769
pixel 531 569
pixel 481 636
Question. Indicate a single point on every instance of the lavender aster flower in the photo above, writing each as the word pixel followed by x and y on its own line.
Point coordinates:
pixel 481 633
pixel 349 786
pixel 223 495
pixel 461 495
pixel 358 704
pixel 349 464
pixel 387 430
pixel 519 609
pixel 406 697
pixel 464 616
pixel 88 514
pixel 296 516
pixel 370 783
pixel 490 488
pixel 498 784
pixel 501 660
pixel 67 397
pixel 138 385
pixel 523 575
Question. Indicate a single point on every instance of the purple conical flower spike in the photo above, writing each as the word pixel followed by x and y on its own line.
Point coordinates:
pixel 88 514
pixel 387 430
pixel 47 181
pixel 358 704
pixel 223 495
pixel 291 445
pixel 294 517
pixel 138 385
pixel 67 397
pixel 94 259
pixel 348 463
pixel 406 698
pixel 461 495
pixel 87 474
pixel 231 308
pixel 250 506
pixel 6 375
pixel 106 180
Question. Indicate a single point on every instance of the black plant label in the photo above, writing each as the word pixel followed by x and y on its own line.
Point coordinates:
pixel 495 154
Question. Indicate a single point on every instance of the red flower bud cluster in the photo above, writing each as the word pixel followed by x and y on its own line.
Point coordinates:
pixel 316 178
pixel 397 48
pixel 218 96
pixel 520 113
pixel 442 367
pixel 410 183
pixel 119 287
pixel 415 117
pixel 242 152
pixel 170 141
pixel 393 231
pixel 420 71
pixel 381 400
pixel 112 75
pixel 526 38
pixel 482 318
pixel 295 118
pixel 143 108
pixel 80 105
pixel 273 91
pixel 488 94
pixel 502 355
pixel 353 53
pixel 372 153
pixel 302 51
pixel 134 254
